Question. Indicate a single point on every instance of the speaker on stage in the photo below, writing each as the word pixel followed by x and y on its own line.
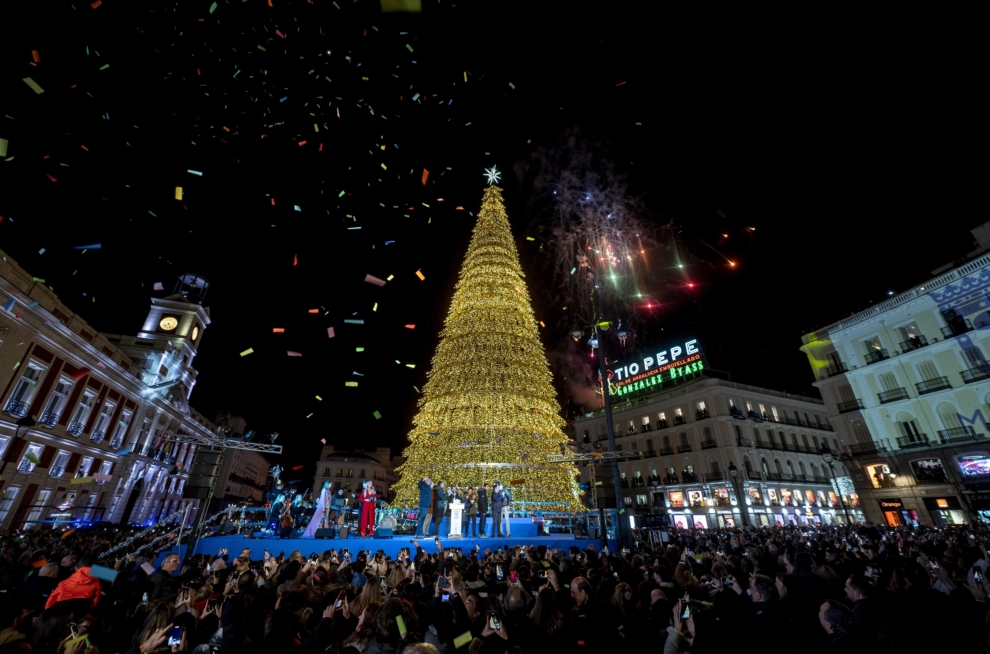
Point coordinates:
pixel 327 534
pixel 383 532
pixel 580 531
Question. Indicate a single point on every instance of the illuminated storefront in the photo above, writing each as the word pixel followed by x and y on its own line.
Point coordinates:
pixel 895 515
pixel 945 510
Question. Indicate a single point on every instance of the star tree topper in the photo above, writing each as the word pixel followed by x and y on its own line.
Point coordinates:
pixel 493 176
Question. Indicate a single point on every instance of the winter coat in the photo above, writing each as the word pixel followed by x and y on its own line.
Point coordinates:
pixel 425 493
pixel 79 586
pixel 439 501
pixel 472 505
pixel 482 501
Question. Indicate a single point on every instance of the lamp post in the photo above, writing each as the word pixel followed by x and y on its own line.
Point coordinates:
pixel 827 457
pixel 24 423
pixel 734 474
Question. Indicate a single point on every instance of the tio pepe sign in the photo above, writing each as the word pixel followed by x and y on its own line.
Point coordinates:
pixel 679 360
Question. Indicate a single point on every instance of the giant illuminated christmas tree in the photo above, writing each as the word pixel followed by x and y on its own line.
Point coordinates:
pixel 489 411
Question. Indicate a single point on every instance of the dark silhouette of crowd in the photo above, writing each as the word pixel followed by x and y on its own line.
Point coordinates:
pixel 828 589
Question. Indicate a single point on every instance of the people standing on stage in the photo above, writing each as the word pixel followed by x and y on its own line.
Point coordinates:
pixel 439 506
pixel 425 502
pixel 482 509
pixel 367 499
pixel 321 516
pixel 471 511
pixel 505 512
pixel 498 501
pixel 451 498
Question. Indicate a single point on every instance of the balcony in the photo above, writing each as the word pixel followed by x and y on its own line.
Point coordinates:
pixel 97 436
pixel 913 442
pixel 867 448
pixel 765 445
pixel 714 476
pixel 666 451
pixel 979 373
pixel 876 355
pixel 956 327
pixel 650 453
pixel 48 419
pixel 56 471
pixel 75 428
pixel 169 459
pixel 743 442
pixel 701 414
pixel 837 369
pixel 671 480
pixel 661 424
pixel 777 476
pixel 679 420
pixel 689 477
pixel 753 475
pixel 958 435
pixel 708 443
pixel 25 466
pixel 681 449
pixel 851 405
pixel 818 479
pixel 753 415
pixel 932 385
pixel 16 408
pixel 893 395
pixel 116 443
pixel 736 413
pixel 915 343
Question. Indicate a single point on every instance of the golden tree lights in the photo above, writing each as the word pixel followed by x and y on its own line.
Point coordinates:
pixel 489 410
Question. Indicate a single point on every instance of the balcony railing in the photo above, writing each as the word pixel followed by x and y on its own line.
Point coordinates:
pixel 56 471
pixel 957 327
pixel 932 385
pixel 25 466
pixel 979 373
pixel 912 442
pixel 837 369
pixel 702 414
pixel 679 420
pixel 170 459
pixel 116 443
pixel 97 436
pixel 650 453
pixel 708 444
pixel 666 451
pixel 818 479
pixel 75 428
pixel 866 448
pixel 777 476
pixel 958 435
pixel 681 449
pixel 16 408
pixel 48 419
pixel 689 477
pixel 851 405
pixel 913 343
pixel 714 476
pixel 671 480
pixel 765 445
pixel 661 424
pixel 893 395
pixel 753 475
pixel 876 355
pixel 743 442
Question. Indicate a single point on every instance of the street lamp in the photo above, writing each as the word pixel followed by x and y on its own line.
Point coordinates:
pixel 734 474
pixel 26 423
pixel 827 457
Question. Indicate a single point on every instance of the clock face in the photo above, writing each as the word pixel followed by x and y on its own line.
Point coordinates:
pixel 169 323
pixel 195 332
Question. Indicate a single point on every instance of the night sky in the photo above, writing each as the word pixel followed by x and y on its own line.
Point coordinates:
pixel 849 150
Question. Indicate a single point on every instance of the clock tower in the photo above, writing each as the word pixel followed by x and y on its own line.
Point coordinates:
pixel 165 347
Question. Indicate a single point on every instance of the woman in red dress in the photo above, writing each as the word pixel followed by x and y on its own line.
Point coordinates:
pixel 368 496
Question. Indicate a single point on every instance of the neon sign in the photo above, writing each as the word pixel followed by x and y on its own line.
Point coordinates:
pixel 690 348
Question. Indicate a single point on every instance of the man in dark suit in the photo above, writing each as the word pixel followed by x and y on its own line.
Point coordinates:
pixel 439 506
pixel 483 509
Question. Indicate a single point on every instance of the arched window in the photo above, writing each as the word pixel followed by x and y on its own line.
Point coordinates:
pixel 776 463
pixel 765 465
pixel 804 472
pixel 814 469
pixel 790 468
pixel 684 438
pixel 714 466
pixel 949 416
pixel 807 445
pixel 818 448
pixel 746 464
pixel 794 440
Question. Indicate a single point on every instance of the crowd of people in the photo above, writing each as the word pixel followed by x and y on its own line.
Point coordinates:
pixel 827 589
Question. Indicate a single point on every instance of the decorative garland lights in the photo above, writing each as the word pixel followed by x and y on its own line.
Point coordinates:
pixel 489 410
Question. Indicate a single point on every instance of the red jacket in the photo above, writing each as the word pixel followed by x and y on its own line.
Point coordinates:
pixel 79 586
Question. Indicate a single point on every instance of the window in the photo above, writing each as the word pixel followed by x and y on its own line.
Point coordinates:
pixel 949 416
pixel 732 403
pixel 340 472
pixel 36 512
pixel 350 472
pixel 790 468
pixel 738 431
pixel 118 432
pixel 103 420
pixel 24 390
pixel 974 357
pixel 362 474
pixel 55 404
pixel 90 504
pixel 871 345
pixel 803 470
pixel 649 445
pixel 326 472
pixel 86 464
pixel 627 500
pixel 57 468
pixel 105 467
pixel 927 371
pixel 81 413
pixel 26 465
pixel 3 445
pixel 749 406
pixel 763 410
pixel 846 393
pixel 9 495
pixel 646 421
pixel 632 447
pixel 773 412
pixel 807 446
pixel 715 468
pixel 701 406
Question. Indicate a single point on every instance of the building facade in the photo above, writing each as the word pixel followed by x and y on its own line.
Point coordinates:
pixel 242 476
pixel 347 469
pixel 100 405
pixel 909 380
pixel 692 435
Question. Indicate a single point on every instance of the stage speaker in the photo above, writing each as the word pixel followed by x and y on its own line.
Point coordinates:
pixel 383 532
pixel 344 531
pixel 580 531
pixel 326 534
